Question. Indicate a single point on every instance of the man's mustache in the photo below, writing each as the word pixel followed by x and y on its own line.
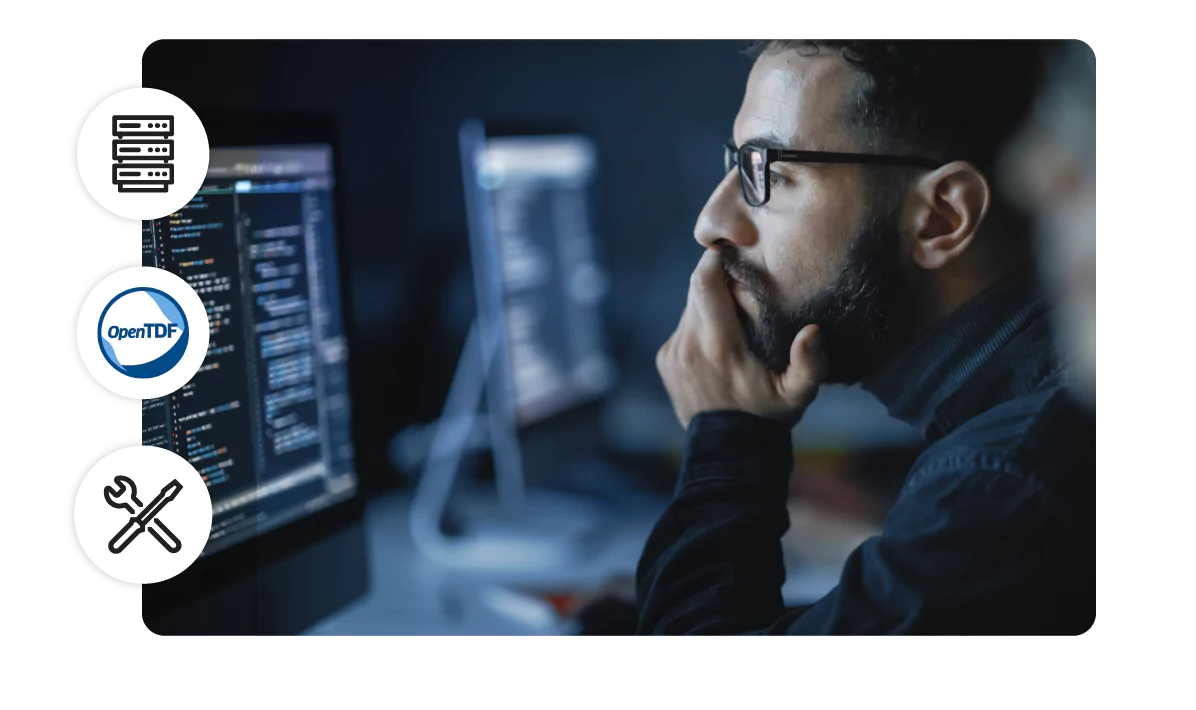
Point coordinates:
pixel 750 276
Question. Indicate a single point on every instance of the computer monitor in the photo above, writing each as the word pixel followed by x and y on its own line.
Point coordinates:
pixel 267 419
pixel 537 348
pixel 538 277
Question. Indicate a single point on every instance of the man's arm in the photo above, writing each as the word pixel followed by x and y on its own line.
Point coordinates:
pixel 964 550
pixel 713 562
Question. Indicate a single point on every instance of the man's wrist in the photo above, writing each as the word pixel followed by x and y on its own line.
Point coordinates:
pixel 731 443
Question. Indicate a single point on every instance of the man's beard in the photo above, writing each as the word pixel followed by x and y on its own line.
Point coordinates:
pixel 864 314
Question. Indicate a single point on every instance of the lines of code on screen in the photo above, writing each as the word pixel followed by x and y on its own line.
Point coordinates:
pixel 265 421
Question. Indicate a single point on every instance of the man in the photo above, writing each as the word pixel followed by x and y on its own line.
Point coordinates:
pixel 857 236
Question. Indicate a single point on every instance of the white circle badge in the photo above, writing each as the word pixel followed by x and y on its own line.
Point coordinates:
pixel 143 514
pixel 143 332
pixel 143 154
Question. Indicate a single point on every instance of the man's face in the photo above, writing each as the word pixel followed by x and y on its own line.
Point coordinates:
pixel 824 248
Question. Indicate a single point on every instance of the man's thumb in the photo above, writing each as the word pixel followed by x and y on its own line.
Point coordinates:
pixel 807 366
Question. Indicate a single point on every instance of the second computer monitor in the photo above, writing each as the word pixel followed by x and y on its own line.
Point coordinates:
pixel 539 278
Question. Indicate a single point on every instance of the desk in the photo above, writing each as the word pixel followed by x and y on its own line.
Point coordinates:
pixel 411 596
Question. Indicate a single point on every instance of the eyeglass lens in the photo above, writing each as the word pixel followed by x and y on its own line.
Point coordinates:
pixel 757 173
pixel 753 172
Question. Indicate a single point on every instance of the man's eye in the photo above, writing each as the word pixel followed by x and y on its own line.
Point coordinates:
pixel 776 179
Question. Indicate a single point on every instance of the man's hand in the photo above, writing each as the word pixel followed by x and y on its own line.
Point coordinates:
pixel 706 364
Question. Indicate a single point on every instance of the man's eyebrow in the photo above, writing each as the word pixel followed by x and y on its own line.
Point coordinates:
pixel 769 140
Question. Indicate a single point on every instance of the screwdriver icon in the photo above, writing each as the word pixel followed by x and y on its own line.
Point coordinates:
pixel 123 494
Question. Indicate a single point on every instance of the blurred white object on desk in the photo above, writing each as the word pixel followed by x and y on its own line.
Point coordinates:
pixel 816 545
pixel 819 535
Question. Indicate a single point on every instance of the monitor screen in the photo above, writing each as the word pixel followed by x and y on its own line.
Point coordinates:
pixel 531 195
pixel 265 421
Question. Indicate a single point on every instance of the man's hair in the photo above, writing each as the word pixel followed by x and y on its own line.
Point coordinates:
pixel 946 99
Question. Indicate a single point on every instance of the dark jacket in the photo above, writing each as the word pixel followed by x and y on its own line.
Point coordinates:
pixel 993 531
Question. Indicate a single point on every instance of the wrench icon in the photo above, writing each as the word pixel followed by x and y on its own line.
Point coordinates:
pixel 124 495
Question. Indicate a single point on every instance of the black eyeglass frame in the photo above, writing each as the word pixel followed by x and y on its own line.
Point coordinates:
pixel 779 155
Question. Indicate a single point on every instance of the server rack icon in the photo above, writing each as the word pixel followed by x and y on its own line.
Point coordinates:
pixel 142 152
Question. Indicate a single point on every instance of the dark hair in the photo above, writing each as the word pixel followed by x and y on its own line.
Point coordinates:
pixel 947 99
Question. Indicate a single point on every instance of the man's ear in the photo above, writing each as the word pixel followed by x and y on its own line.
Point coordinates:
pixel 950 204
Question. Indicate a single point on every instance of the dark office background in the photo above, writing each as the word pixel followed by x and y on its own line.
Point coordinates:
pixel 658 112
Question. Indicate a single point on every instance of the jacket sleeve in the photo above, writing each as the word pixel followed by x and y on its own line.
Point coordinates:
pixel 713 562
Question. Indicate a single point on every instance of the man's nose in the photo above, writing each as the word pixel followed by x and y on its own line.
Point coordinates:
pixel 724 219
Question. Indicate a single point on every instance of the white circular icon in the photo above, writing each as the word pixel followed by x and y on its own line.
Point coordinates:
pixel 143 332
pixel 143 154
pixel 143 514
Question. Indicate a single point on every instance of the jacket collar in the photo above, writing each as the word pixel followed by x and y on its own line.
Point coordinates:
pixel 994 347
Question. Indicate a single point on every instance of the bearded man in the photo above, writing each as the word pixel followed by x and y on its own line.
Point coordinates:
pixel 858 236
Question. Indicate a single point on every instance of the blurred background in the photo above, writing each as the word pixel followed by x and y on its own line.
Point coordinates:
pixel 541 195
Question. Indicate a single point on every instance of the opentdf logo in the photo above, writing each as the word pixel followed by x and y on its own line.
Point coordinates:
pixel 143 332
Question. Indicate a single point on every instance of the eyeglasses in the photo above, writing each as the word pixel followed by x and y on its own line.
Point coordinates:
pixel 755 165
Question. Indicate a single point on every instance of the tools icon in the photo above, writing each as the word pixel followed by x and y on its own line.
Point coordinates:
pixel 143 489
pixel 143 140
pixel 123 494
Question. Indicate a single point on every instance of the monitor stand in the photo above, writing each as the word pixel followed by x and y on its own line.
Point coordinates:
pixel 516 533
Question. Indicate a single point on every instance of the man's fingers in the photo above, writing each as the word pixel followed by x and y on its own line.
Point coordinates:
pixel 807 366
pixel 709 295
